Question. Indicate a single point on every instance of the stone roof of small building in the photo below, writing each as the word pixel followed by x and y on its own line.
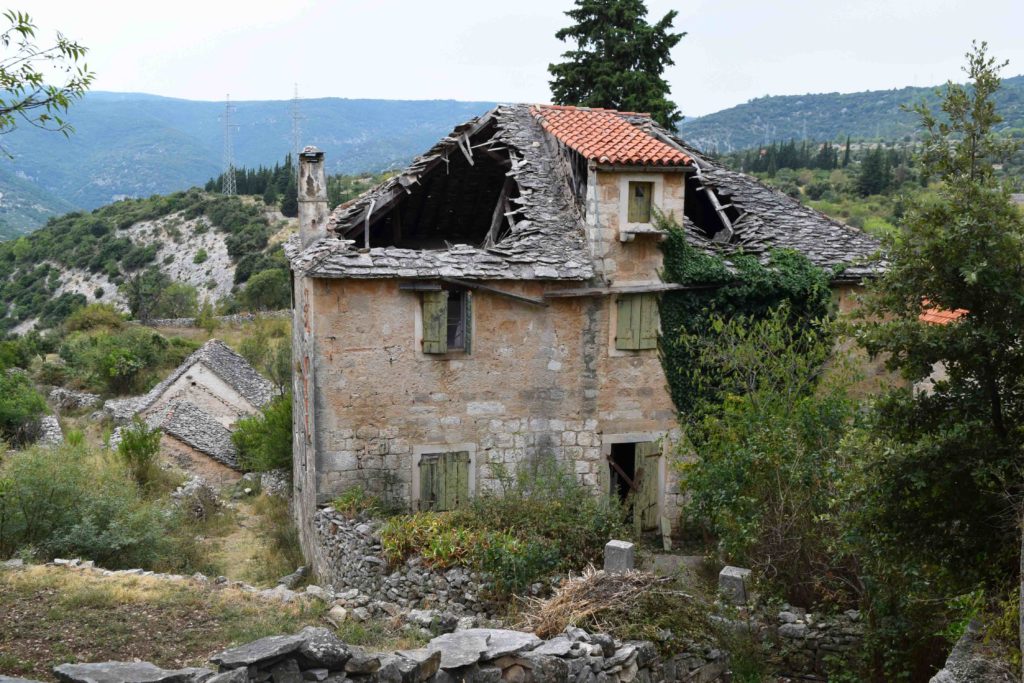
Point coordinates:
pixel 607 137
pixel 229 366
pixel 192 425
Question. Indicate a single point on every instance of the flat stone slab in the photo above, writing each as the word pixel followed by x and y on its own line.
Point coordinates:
pixel 459 649
pixel 128 672
pixel 11 679
pixel 257 651
pixel 558 646
pixel 501 642
pixel 321 648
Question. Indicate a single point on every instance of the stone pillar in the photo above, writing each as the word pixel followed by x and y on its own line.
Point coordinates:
pixel 312 196
pixel 733 584
pixel 618 557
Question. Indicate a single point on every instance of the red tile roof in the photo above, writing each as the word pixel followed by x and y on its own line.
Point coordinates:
pixel 938 316
pixel 605 136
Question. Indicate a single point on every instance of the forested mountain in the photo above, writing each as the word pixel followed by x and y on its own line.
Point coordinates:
pixel 870 115
pixel 135 145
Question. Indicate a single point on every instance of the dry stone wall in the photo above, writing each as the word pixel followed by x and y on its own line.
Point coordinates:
pixel 350 562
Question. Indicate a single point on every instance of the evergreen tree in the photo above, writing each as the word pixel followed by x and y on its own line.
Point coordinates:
pixel 618 61
pixel 290 198
pixel 846 153
pixel 270 194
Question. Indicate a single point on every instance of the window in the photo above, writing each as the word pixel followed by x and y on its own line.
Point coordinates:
pixel 640 194
pixel 447 321
pixel 444 480
pixel 636 326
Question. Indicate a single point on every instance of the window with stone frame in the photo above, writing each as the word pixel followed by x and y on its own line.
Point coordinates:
pixel 447 321
pixel 639 201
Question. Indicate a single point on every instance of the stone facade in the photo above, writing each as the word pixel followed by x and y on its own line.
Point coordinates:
pixel 540 383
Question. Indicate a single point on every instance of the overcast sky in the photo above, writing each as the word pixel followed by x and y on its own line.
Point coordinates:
pixel 499 51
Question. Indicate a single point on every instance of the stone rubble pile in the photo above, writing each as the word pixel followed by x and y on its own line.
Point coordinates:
pixel 469 656
pixel 353 561
pixel 50 433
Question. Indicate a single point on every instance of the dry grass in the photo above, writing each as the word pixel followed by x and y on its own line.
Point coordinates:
pixel 49 616
pixel 630 605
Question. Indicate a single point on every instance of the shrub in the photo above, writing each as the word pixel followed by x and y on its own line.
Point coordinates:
pixel 72 502
pixel 138 449
pixel 268 290
pixel 95 316
pixel 21 406
pixel 264 441
pixel 545 520
pixel 121 361
pixel 200 256
pixel 177 300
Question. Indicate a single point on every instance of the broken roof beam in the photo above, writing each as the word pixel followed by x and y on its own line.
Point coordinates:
pixel 625 289
pixel 469 284
pixel 497 218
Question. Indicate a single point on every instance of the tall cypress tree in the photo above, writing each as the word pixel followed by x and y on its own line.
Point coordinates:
pixel 618 61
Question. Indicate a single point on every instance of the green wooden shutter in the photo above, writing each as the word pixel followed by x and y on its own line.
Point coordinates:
pixel 429 481
pixel 648 322
pixel 435 322
pixel 627 325
pixel 468 333
pixel 645 506
pixel 444 480
pixel 639 210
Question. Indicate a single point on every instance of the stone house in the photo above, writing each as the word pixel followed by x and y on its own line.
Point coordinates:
pixel 198 404
pixel 496 304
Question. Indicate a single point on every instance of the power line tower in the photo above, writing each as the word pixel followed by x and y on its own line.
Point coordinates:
pixel 297 118
pixel 229 186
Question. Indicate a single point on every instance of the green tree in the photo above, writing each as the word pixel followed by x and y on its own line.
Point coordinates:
pixel 268 290
pixel 619 60
pixel 936 504
pixel 177 300
pixel 290 198
pixel 38 83
pixel 143 290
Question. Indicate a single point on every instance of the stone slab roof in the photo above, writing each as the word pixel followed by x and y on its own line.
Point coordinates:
pixel 607 137
pixel 190 424
pixel 229 366
pixel 769 219
pixel 548 241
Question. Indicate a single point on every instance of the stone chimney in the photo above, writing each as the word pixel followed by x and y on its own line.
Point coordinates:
pixel 312 196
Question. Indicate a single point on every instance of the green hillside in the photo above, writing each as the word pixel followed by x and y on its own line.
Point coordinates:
pixel 870 115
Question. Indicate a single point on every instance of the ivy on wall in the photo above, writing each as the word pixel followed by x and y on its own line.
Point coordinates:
pixel 738 284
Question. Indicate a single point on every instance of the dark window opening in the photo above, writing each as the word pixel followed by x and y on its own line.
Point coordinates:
pixel 455 202
pixel 622 464
pixel 457 321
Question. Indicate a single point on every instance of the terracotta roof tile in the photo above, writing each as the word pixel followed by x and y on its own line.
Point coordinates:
pixel 606 136
pixel 938 316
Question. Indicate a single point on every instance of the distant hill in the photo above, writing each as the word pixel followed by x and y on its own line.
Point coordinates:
pixel 870 115
pixel 135 145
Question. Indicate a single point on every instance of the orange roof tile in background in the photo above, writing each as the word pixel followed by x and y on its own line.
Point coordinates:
pixel 603 135
pixel 938 316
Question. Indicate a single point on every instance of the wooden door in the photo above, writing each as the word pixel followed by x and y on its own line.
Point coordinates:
pixel 645 503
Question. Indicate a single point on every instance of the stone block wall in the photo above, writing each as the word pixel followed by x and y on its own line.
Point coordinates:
pixel 811 644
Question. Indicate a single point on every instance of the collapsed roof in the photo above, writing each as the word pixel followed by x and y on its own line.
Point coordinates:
pixel 502 197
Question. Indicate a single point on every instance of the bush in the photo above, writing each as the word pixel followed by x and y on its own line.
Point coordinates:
pixel 21 406
pixel 138 449
pixel 268 290
pixel 71 502
pixel 768 461
pixel 121 361
pixel 264 441
pixel 95 316
pixel 545 520
pixel 200 257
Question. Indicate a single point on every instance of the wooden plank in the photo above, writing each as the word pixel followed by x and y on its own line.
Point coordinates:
pixel 472 284
pixel 419 286
pixel 497 218
pixel 428 476
pixel 648 321
pixel 645 507
pixel 639 207
pixel 435 322
pixel 627 289
pixel 624 333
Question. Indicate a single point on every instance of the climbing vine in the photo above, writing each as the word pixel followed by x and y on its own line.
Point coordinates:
pixel 737 285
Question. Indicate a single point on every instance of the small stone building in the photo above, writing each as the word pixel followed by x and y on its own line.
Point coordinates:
pixel 495 305
pixel 198 405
